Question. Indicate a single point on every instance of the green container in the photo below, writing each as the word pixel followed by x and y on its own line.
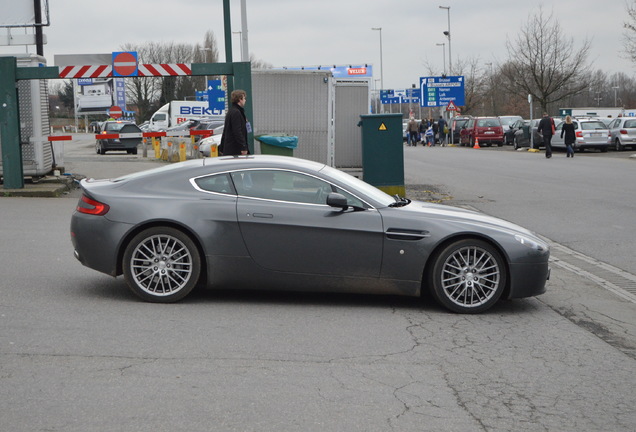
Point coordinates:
pixel 277 144
pixel 383 152
pixel 269 149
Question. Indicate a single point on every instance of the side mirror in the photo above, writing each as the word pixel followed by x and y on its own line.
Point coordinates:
pixel 337 200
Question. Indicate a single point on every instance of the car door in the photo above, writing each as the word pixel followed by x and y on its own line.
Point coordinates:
pixel 287 227
pixel 557 139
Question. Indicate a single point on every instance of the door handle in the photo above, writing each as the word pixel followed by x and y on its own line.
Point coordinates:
pixel 263 215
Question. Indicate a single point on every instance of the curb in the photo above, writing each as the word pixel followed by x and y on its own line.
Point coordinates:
pixel 47 187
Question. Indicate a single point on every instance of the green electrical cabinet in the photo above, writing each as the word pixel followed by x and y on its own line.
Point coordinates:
pixel 383 152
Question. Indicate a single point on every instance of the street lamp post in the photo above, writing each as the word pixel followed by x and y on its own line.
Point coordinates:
pixel 615 88
pixel 205 60
pixel 491 88
pixel 448 35
pixel 443 45
pixel 379 29
pixel 240 33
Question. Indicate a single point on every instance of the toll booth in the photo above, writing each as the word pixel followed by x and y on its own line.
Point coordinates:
pixel 33 100
pixel 383 152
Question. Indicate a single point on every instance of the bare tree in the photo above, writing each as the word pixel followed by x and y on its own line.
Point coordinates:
pixel 544 63
pixel 630 34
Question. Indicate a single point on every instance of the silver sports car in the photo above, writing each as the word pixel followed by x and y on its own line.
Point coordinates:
pixel 273 222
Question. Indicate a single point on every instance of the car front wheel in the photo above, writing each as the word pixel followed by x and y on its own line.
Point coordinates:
pixel 468 276
pixel 161 265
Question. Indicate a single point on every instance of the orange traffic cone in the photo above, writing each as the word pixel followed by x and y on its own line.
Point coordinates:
pixel 476 143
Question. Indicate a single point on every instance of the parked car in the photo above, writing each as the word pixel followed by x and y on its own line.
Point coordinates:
pixel 144 126
pixel 509 131
pixel 590 133
pixel 522 134
pixel 506 122
pixel 95 126
pixel 487 130
pixel 206 143
pixel 284 223
pixel 623 133
pixel 103 145
pixel 457 124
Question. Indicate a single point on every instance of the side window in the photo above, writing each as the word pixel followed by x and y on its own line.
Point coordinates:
pixel 219 183
pixel 281 186
pixel 560 126
pixel 287 186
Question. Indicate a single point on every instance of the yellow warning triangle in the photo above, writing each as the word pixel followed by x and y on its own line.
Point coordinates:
pixel 382 127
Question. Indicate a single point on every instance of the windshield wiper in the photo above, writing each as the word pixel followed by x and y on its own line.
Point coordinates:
pixel 400 201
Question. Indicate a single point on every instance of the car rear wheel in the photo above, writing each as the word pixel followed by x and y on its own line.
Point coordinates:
pixel 619 146
pixel 161 265
pixel 468 276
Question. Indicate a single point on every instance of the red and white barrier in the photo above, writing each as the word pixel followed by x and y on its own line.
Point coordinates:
pixel 143 70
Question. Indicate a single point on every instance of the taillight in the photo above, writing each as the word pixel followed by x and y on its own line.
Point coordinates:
pixel 92 207
pixel 623 132
pixel 579 134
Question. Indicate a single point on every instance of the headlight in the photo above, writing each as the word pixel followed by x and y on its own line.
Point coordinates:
pixel 532 244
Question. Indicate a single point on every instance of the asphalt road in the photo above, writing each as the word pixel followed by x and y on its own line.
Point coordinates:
pixel 78 352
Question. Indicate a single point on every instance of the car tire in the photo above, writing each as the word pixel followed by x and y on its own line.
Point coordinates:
pixel 161 265
pixel 134 151
pixel 468 276
pixel 619 146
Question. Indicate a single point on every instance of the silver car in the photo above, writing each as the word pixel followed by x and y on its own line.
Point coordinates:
pixel 623 133
pixel 283 223
pixel 590 134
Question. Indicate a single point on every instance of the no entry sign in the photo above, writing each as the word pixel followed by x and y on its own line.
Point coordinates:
pixel 125 64
pixel 115 112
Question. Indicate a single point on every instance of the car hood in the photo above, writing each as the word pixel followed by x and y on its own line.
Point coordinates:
pixel 459 215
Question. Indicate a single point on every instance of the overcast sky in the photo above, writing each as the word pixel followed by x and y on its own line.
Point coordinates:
pixel 328 32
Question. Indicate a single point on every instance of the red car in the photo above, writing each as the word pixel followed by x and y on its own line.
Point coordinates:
pixel 487 129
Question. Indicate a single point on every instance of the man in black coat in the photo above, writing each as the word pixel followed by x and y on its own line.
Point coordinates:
pixel 546 129
pixel 234 138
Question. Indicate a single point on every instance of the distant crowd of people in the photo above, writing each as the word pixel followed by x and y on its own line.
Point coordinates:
pixel 428 131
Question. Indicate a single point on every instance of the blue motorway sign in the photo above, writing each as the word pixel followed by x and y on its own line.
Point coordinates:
pixel 216 96
pixel 400 96
pixel 120 93
pixel 439 91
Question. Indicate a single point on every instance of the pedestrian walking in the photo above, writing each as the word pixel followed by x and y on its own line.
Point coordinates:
pixel 430 136
pixel 570 136
pixel 546 129
pixel 236 128
pixel 443 130
pixel 413 129
pixel 435 131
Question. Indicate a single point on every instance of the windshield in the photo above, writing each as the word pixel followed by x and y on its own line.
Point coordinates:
pixel 354 184
pixel 114 126
pixel 488 123
pixel 593 125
